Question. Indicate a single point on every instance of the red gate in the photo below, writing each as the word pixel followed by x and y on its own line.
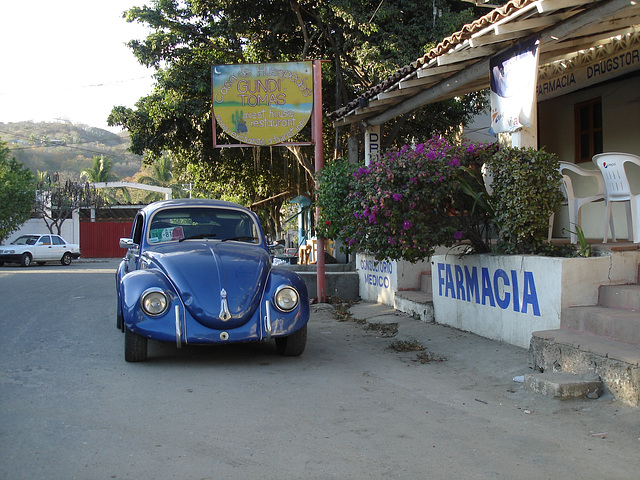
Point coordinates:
pixel 101 239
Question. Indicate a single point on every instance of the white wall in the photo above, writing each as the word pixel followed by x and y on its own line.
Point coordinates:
pixel 513 296
pixel 379 280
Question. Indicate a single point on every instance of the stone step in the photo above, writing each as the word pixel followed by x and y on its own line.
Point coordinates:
pixel 564 385
pixel 620 296
pixel 610 323
pixel 416 303
pixel 616 363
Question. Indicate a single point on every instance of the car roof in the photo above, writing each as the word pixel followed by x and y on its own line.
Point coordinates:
pixel 191 202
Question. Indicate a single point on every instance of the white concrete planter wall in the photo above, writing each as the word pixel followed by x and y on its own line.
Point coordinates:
pixel 507 297
pixel 379 280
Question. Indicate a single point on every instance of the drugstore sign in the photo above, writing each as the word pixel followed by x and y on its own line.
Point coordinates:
pixel 589 68
pixel 262 104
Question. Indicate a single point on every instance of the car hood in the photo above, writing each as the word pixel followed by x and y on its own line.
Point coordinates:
pixel 204 273
pixel 16 248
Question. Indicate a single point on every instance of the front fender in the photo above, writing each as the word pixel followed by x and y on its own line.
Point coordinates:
pixel 285 323
pixel 132 286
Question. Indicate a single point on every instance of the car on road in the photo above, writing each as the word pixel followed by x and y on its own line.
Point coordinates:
pixel 199 271
pixel 39 248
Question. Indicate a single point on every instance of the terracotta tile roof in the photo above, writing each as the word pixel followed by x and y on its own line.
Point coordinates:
pixel 444 46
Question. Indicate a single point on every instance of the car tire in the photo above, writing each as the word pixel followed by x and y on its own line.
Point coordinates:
pixel 135 347
pixel 66 259
pixel 292 345
pixel 25 260
pixel 120 320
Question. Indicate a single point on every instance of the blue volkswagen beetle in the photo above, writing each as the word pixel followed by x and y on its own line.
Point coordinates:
pixel 199 272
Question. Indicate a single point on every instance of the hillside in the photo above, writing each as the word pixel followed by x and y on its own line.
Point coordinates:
pixel 67 147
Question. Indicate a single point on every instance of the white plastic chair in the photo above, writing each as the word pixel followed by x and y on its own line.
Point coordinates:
pixel 580 187
pixel 621 174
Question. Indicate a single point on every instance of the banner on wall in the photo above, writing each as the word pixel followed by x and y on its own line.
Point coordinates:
pixel 513 87
pixel 262 104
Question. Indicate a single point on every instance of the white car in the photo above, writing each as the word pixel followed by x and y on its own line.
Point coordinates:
pixel 39 248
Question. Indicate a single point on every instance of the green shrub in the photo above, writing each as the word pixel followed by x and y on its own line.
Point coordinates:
pixel 334 185
pixel 526 191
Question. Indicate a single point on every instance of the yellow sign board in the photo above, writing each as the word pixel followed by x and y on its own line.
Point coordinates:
pixel 262 104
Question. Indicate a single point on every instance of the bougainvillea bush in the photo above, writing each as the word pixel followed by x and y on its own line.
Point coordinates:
pixel 416 198
pixel 404 205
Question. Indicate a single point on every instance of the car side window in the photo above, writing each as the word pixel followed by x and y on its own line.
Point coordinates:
pixel 45 240
pixel 137 229
pixel 57 240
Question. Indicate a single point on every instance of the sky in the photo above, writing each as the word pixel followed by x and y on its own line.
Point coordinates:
pixel 67 59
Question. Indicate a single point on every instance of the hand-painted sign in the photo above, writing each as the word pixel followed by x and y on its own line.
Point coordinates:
pixel 262 104
pixel 376 273
pixel 506 290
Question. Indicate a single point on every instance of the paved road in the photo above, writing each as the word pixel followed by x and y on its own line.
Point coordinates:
pixel 349 408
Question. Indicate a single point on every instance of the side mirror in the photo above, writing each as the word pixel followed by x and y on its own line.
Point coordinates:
pixel 128 243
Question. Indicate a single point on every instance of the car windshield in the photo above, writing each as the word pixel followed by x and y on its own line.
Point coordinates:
pixel 26 240
pixel 190 223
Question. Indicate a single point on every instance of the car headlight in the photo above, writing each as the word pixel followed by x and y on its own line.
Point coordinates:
pixel 154 302
pixel 286 298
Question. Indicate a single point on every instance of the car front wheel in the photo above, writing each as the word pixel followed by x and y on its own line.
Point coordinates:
pixel 25 260
pixel 135 347
pixel 292 345
pixel 66 259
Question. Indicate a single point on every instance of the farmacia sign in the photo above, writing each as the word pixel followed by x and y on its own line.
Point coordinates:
pixel 497 287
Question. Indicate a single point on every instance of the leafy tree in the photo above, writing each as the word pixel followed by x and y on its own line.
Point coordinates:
pixel 100 171
pixel 365 40
pixel 161 175
pixel 17 191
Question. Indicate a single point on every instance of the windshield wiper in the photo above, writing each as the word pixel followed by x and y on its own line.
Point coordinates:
pixel 200 235
pixel 245 238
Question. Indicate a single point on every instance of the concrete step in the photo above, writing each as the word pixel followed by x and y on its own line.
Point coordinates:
pixel 564 385
pixel 616 363
pixel 610 323
pixel 416 303
pixel 620 296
